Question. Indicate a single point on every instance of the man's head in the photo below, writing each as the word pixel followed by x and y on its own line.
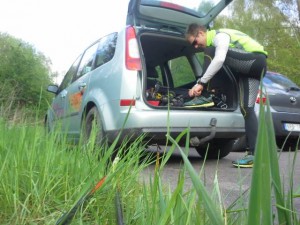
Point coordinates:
pixel 196 35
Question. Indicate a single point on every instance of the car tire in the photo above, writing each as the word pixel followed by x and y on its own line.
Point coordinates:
pixel 215 150
pixel 46 125
pixel 92 119
pixel 289 144
pixel 240 144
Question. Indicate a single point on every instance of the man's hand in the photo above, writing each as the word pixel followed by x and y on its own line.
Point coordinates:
pixel 196 90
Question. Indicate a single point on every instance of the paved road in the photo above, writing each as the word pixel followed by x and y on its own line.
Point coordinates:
pixel 232 181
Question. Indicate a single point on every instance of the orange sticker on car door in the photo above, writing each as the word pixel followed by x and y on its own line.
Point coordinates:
pixel 75 100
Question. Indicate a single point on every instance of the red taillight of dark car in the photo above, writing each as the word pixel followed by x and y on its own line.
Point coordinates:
pixel 132 55
pixel 261 98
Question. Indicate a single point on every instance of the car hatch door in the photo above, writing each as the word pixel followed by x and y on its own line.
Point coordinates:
pixel 173 13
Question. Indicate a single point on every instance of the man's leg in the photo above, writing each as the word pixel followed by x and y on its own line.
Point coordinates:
pixel 248 92
pixel 250 68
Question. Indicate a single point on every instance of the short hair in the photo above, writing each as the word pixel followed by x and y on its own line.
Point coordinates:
pixel 193 29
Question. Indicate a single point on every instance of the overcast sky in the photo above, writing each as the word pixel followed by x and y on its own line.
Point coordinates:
pixel 61 29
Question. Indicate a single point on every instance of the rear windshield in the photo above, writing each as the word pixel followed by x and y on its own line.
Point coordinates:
pixel 278 81
pixel 202 7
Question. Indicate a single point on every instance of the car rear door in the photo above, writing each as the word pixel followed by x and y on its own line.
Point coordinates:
pixel 76 91
pixel 59 103
pixel 173 13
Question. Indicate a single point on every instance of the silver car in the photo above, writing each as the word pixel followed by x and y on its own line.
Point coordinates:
pixel 144 71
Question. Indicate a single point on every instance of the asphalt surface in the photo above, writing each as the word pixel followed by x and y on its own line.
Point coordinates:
pixel 232 181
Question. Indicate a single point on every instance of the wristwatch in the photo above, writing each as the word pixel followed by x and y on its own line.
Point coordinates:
pixel 201 83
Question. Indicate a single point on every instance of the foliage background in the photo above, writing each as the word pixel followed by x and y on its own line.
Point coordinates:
pixel 24 74
pixel 275 24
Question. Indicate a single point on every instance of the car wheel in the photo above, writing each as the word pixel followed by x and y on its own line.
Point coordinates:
pixel 289 144
pixel 215 150
pixel 93 123
pixel 240 144
pixel 46 125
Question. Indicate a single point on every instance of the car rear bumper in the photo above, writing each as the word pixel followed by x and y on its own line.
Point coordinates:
pixel 279 119
pixel 158 122
pixel 158 135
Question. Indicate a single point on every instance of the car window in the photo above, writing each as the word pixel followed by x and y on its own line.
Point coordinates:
pixel 200 6
pixel 200 57
pixel 159 74
pixel 154 76
pixel 181 71
pixel 275 80
pixel 86 64
pixel 106 49
pixel 69 75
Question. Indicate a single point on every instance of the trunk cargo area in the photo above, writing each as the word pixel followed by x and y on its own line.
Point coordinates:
pixel 172 66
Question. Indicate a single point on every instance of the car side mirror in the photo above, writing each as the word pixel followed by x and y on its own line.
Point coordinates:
pixel 53 88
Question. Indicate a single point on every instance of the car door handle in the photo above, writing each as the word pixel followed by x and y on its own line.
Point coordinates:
pixel 81 86
pixel 63 94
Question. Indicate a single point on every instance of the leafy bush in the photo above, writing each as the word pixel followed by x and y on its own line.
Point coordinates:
pixel 24 74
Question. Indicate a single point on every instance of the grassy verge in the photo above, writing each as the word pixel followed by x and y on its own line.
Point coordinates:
pixel 41 179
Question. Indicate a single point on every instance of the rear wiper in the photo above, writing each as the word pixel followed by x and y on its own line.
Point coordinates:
pixel 170 29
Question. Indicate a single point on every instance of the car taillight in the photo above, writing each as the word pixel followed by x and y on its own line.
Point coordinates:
pixel 261 97
pixel 127 102
pixel 132 55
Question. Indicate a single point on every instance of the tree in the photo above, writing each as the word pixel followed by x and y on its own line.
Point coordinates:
pixel 24 73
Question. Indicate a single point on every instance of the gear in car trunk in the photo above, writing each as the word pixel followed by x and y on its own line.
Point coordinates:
pixel 172 67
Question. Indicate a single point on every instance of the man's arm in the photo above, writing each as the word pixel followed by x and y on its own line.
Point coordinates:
pixel 221 42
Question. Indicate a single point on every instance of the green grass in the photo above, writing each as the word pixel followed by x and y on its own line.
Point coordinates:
pixel 42 178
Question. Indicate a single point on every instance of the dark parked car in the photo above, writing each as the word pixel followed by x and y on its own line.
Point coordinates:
pixel 284 97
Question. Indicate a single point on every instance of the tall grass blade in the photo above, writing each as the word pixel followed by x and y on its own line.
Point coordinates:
pixel 211 209
pixel 66 218
pixel 290 199
pixel 260 205
pixel 171 149
pixel 119 211
pixel 284 216
pixel 266 174
pixel 171 205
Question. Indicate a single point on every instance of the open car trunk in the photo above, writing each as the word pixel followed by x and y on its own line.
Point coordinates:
pixel 171 68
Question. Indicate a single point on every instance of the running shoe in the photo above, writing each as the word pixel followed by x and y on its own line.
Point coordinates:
pixel 245 162
pixel 199 101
